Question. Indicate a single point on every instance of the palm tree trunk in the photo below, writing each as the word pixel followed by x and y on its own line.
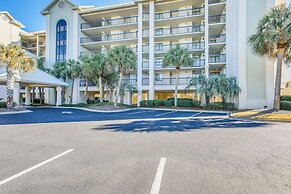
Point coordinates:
pixel 33 95
pixel 176 87
pixel 86 89
pixel 40 95
pixel 277 95
pixel 118 88
pixel 10 89
pixel 110 94
pixel 72 91
pixel 101 89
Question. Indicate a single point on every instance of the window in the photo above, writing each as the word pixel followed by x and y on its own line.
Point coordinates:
pixel 159 46
pixel 61 41
pixel 158 77
pixel 158 62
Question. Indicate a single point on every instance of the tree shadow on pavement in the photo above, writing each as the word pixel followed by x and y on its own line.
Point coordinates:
pixel 179 125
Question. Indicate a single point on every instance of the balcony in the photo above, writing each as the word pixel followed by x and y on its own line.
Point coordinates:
pixel 83 83
pixel 89 53
pixel 196 63
pixel 109 37
pixel 192 46
pixel 110 22
pixel 216 19
pixel 29 46
pixel 130 82
pixel 217 38
pixel 211 2
pixel 217 58
pixel 179 30
pixel 179 13
pixel 172 81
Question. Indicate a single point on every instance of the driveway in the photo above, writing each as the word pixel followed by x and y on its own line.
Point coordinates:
pixel 142 151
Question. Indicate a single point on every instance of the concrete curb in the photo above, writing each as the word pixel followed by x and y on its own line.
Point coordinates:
pixel 15 112
pixel 186 110
pixel 98 111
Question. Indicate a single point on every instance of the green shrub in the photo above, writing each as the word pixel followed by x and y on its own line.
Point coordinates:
pixel 158 103
pixel 150 103
pixel 92 101
pixel 36 101
pixel 3 105
pixel 143 103
pixel 285 105
pixel 220 106
pixel 184 103
pixel 168 103
pixel 196 104
pixel 286 98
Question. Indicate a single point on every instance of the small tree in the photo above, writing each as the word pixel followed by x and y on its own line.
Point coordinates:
pixel 177 57
pixel 87 72
pixel 15 60
pixel 74 71
pixel 273 39
pixel 111 81
pixel 124 61
pixel 99 70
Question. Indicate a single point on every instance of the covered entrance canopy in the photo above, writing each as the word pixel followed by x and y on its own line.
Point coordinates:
pixel 37 78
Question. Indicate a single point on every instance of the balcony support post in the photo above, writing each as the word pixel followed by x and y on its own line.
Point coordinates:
pixel 139 55
pixel 206 38
pixel 151 50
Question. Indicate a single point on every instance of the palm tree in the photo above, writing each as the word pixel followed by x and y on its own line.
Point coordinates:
pixel 199 83
pixel 99 70
pixel 273 39
pixel 111 80
pixel 123 60
pixel 87 73
pixel 177 57
pixel 15 60
pixel 73 71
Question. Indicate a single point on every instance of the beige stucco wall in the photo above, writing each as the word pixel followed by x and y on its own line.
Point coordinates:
pixel 9 32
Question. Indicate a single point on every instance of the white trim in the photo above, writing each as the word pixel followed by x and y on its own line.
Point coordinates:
pixel 15 112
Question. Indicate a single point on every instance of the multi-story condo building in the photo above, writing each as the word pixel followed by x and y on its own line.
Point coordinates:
pixel 34 42
pixel 216 33
pixel 26 84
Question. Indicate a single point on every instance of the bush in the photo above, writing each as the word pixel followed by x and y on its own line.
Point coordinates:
pixel 36 101
pixel 3 105
pixel 92 101
pixel 143 103
pixel 147 103
pixel 184 103
pixel 168 103
pixel 158 103
pixel 150 103
pixel 285 105
pixel 286 98
pixel 220 106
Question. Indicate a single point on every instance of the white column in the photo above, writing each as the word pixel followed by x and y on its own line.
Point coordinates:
pixel 59 96
pixel 75 34
pixel 16 93
pixel 37 45
pixel 242 48
pixel 206 20
pixel 151 51
pixel 47 41
pixel 27 96
pixel 139 56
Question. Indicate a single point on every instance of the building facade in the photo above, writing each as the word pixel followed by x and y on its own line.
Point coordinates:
pixel 216 33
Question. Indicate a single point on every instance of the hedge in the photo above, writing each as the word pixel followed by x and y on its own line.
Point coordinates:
pixel 285 105
pixel 92 101
pixel 286 98
pixel 3 105
pixel 220 106
pixel 169 103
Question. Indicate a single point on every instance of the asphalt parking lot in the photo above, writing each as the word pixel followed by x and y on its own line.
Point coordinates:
pixel 142 151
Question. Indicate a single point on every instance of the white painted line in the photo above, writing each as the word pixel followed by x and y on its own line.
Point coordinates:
pixel 67 112
pixel 158 178
pixel 164 114
pixel 34 167
pixel 133 113
pixel 196 114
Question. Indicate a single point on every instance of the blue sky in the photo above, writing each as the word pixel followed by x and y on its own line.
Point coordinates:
pixel 28 11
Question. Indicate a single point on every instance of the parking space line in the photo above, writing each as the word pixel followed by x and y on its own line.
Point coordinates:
pixel 158 178
pixel 34 167
pixel 196 114
pixel 158 115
